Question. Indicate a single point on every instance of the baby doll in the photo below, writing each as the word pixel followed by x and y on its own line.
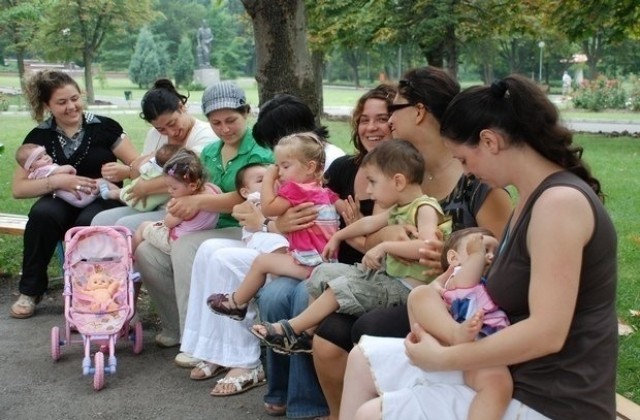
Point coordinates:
pixel 101 289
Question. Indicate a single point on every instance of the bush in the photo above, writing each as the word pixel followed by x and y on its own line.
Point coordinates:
pixel 600 94
pixel 4 103
pixel 634 96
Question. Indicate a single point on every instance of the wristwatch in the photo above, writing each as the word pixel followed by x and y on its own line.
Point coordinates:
pixel 265 225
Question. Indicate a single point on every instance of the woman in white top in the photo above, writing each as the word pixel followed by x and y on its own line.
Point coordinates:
pixel 165 109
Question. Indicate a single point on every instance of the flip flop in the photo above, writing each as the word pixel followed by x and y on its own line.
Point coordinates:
pixel 205 371
pixel 242 383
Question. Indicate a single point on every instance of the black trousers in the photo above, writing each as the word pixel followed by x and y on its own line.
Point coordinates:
pixel 49 220
pixel 345 330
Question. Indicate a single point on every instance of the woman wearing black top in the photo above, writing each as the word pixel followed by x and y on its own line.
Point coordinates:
pixel 71 137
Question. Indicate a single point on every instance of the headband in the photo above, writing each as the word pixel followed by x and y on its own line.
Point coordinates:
pixel 35 154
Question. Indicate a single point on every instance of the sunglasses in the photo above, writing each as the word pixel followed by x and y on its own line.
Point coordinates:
pixel 397 107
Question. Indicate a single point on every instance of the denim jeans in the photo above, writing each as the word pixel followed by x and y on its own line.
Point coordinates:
pixel 291 380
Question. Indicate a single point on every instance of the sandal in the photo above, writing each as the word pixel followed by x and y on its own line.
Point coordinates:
pixel 224 304
pixel 275 410
pixel 205 370
pixel 255 377
pixel 287 343
pixel 24 307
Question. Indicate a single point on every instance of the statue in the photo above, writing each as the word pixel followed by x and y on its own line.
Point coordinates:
pixel 204 38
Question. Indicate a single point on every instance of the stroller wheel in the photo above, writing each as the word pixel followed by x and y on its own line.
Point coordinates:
pixel 98 377
pixel 55 343
pixel 137 338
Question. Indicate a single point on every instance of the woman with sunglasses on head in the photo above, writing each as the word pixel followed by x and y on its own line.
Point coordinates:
pixel 166 110
pixel 554 276
pixel 423 95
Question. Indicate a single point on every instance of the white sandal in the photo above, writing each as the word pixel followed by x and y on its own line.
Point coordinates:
pixel 24 307
pixel 208 370
pixel 255 377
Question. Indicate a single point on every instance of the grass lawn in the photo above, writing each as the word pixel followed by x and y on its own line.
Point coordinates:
pixel 615 162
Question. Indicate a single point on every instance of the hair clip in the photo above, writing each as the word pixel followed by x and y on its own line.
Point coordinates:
pixel 172 170
pixel 499 89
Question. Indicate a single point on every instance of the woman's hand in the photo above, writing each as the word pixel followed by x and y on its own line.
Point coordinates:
pixel 115 171
pixel 184 207
pixel 72 183
pixel 296 218
pixel 373 257
pixel 137 193
pixel 248 215
pixel 423 350
pixel 430 255
pixel 349 209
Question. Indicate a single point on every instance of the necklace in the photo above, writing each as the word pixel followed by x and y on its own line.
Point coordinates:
pixel 430 177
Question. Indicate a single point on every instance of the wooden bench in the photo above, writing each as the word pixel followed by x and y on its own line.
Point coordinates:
pixel 626 409
pixel 14 224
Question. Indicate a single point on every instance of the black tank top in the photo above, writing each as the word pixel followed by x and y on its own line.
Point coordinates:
pixel 579 381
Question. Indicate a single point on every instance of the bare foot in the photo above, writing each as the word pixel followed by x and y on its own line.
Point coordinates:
pixel 468 330
pixel 263 331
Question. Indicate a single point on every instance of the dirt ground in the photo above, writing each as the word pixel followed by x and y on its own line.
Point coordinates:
pixel 145 386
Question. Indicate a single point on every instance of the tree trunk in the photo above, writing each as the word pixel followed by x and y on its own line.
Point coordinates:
pixel 20 62
pixel 317 58
pixel 88 76
pixel 283 58
pixel 451 51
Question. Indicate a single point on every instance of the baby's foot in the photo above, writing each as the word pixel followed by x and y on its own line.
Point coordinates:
pixel 468 330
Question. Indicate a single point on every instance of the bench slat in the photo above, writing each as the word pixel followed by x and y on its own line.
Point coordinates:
pixel 12 224
pixel 627 409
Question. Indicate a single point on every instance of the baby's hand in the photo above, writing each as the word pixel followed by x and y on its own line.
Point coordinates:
pixel 475 244
pixel 330 250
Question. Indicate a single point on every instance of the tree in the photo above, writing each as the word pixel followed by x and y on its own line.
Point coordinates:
pixel 88 23
pixel 282 53
pixel 184 64
pixel 18 26
pixel 145 66
pixel 176 19
pixel 597 26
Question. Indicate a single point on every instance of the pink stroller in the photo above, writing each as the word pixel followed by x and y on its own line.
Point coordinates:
pixel 98 296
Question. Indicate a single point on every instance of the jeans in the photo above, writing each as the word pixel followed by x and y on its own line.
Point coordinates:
pixel 291 379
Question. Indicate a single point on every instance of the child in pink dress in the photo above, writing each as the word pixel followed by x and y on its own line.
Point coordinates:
pixel 184 175
pixel 299 170
pixel 466 255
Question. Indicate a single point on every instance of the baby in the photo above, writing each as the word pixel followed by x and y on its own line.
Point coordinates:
pixel 248 185
pixel 35 160
pixel 149 170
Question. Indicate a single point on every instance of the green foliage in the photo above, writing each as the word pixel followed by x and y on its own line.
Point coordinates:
pixel 144 67
pixel 634 96
pixel 233 47
pixel 600 94
pixel 184 64
pixel 4 103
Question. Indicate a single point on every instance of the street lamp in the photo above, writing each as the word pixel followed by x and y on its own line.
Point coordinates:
pixel 541 45
pixel 66 32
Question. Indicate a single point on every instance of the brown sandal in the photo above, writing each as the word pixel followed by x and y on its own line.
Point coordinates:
pixel 221 304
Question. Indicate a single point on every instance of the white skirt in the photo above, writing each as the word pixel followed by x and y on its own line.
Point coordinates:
pixel 219 267
pixel 408 392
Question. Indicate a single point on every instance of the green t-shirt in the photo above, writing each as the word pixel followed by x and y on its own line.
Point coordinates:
pixel 225 177
pixel 406 215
